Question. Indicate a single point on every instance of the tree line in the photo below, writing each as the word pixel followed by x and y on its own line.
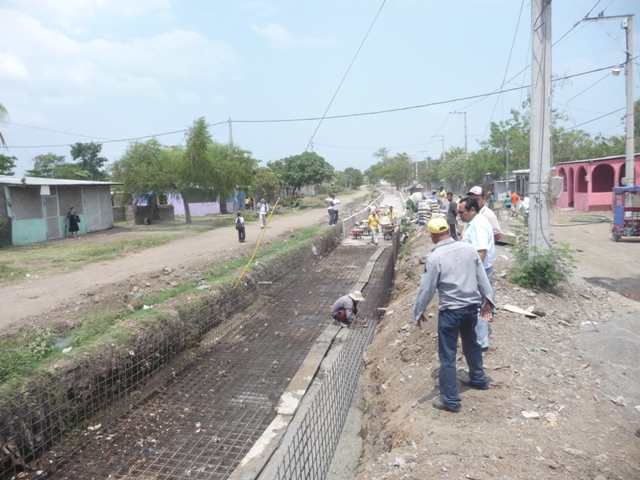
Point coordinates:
pixel 568 144
pixel 198 168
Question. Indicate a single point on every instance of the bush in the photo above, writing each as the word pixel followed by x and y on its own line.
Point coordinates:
pixel 545 269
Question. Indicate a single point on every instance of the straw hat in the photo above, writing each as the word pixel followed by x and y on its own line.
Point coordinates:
pixel 356 295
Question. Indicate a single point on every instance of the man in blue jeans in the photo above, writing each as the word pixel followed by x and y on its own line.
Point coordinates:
pixel 454 269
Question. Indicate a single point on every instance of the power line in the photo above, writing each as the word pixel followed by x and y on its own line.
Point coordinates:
pixel 58 131
pixel 597 118
pixel 346 73
pixel 506 70
pixel 350 115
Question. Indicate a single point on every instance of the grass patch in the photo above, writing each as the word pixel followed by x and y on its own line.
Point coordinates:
pixel 404 249
pixel 21 355
pixel 47 258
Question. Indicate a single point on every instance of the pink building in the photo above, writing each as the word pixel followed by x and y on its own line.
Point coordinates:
pixel 588 183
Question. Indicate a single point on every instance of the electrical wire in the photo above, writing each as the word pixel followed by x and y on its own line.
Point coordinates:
pixel 506 70
pixel 346 73
pixel 350 115
pixel 597 118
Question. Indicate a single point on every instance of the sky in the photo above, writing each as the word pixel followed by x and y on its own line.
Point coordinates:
pixel 113 71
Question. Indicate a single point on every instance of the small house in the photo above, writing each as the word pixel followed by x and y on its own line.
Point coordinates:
pixel 35 209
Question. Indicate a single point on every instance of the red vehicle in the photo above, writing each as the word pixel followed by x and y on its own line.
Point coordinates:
pixel 626 212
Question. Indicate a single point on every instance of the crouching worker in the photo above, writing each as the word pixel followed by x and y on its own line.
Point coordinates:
pixel 345 310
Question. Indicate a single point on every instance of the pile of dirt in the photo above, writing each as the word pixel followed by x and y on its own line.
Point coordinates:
pixel 546 414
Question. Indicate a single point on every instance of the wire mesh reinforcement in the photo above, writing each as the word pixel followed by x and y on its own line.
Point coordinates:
pixel 311 450
pixel 87 389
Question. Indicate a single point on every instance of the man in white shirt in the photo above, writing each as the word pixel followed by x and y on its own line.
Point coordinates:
pixel 330 205
pixel 263 209
pixel 486 212
pixel 479 234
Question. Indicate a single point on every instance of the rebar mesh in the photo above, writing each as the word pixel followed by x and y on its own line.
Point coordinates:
pixel 311 450
pixel 186 352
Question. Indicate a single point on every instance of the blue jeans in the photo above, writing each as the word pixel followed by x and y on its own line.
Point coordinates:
pixel 451 323
pixel 482 328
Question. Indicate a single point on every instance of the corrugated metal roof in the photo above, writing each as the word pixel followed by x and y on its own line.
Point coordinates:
pixel 60 182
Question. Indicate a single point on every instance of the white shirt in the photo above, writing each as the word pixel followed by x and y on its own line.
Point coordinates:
pixel 479 234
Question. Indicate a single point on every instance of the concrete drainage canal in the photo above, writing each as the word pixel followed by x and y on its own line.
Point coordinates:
pixel 222 405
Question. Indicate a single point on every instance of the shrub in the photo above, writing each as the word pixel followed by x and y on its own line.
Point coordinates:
pixel 545 269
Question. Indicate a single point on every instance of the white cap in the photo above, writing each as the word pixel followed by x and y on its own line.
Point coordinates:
pixel 475 191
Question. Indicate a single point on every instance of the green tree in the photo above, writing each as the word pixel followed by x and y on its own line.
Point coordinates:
pixel 144 169
pixel 233 168
pixel 265 183
pixel 397 170
pixel 47 165
pixel 88 159
pixel 7 164
pixel 453 167
pixel 308 168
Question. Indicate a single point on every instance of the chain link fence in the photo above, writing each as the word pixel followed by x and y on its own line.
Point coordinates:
pixel 311 450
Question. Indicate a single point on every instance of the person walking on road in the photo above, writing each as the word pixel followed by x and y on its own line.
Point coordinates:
pixel 345 309
pixel 329 202
pixel 452 216
pixel 514 203
pixel 263 209
pixel 479 235
pixel 454 269
pixel 373 220
pixel 240 227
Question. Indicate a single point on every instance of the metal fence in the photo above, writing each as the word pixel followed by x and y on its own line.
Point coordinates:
pixel 89 388
pixel 311 450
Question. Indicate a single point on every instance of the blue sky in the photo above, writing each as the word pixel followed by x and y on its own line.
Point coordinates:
pixel 98 70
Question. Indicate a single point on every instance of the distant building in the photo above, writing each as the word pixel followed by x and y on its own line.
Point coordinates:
pixel 588 184
pixel 35 209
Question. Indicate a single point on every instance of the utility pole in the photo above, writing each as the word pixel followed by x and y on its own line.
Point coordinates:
pixel 466 145
pixel 627 24
pixel 443 152
pixel 507 175
pixel 236 207
pixel 540 143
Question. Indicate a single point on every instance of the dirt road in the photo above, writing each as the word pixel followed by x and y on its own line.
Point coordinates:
pixel 65 298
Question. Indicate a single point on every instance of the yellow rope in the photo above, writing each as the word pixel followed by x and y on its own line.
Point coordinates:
pixel 255 250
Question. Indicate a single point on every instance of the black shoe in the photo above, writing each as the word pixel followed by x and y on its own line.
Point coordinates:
pixel 467 383
pixel 485 349
pixel 638 433
pixel 442 406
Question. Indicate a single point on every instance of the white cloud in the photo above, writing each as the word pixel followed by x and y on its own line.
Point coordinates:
pixel 11 67
pixel 279 37
pixel 66 12
pixel 52 61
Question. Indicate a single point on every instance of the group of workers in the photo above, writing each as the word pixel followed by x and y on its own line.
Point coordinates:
pixel 462 274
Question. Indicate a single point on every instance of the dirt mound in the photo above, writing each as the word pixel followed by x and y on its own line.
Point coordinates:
pixel 544 415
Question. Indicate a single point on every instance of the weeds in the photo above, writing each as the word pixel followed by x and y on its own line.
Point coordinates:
pixel 22 354
pixel 545 269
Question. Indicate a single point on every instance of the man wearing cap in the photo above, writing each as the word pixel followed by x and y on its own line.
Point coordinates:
pixel 454 269
pixel 479 235
pixel 345 310
pixel 486 212
pixel 263 209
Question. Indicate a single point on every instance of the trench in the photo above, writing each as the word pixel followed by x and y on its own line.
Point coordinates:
pixel 202 414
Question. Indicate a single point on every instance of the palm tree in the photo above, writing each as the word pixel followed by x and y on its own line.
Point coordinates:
pixel 3 114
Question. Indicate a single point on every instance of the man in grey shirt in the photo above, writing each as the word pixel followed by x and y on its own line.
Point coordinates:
pixel 345 309
pixel 454 269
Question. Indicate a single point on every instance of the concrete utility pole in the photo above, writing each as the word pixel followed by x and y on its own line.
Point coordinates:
pixel 466 145
pixel 507 174
pixel 540 146
pixel 443 152
pixel 627 24
pixel 236 207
